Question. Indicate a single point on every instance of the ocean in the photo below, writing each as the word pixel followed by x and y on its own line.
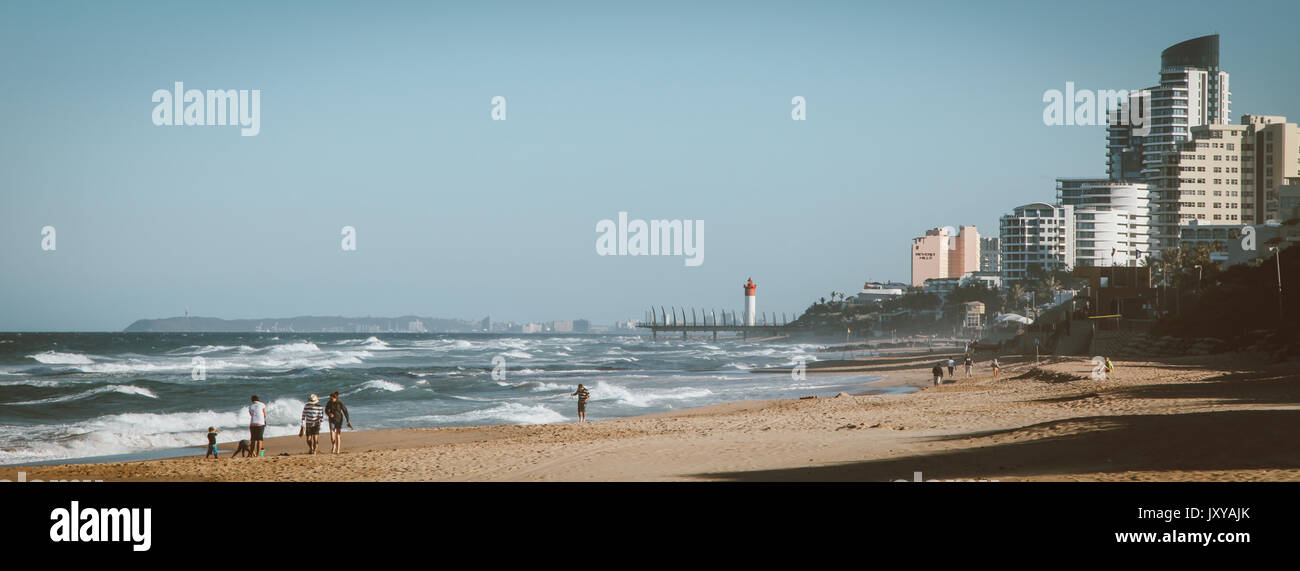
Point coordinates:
pixel 134 395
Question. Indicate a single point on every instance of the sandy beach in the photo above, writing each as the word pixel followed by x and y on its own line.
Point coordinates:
pixel 1212 418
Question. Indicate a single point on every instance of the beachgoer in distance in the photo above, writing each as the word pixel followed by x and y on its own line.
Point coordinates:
pixel 312 414
pixel 1110 367
pixel 996 368
pixel 244 449
pixel 969 364
pixel 337 412
pixel 583 396
pixel 212 443
pixel 937 373
pixel 256 425
pixel 950 366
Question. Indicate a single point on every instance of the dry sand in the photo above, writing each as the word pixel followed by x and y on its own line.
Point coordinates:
pixel 1218 418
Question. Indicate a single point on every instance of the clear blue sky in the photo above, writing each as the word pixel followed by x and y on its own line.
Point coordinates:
pixel 920 114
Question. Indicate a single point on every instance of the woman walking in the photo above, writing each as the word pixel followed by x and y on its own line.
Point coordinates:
pixel 336 411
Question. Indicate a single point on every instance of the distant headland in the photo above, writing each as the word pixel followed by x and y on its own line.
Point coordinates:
pixel 306 324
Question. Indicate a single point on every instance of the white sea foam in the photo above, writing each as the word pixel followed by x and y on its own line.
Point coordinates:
pixel 378 384
pixel 542 386
pixel 298 348
pixel 510 413
pixel 123 389
pixel 56 358
pixel 135 432
pixel 623 395
pixel 374 343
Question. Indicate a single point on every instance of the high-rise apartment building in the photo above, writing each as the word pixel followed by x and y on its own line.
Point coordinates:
pixel 1193 91
pixel 1111 220
pixel 1036 234
pixel 939 254
pixel 1232 174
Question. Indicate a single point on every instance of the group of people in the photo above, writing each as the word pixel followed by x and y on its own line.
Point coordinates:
pixel 968 363
pixel 313 415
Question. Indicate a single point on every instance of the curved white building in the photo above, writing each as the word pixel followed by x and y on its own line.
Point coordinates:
pixel 1112 220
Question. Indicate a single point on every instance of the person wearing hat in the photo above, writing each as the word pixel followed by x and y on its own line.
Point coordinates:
pixel 312 414
pixel 337 412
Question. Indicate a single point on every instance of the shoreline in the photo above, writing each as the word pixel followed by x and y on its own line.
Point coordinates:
pixel 1215 418
pixel 295 444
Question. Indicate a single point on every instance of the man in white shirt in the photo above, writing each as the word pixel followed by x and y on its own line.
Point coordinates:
pixel 256 425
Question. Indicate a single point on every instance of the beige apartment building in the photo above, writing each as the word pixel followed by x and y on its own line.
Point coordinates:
pixel 1231 174
pixel 940 254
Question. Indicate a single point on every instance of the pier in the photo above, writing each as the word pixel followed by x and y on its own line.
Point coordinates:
pixel 766 325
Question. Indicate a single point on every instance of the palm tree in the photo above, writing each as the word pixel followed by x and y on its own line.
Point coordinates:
pixel 1015 298
pixel 1052 285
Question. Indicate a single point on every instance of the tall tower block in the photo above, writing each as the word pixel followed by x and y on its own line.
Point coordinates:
pixel 751 301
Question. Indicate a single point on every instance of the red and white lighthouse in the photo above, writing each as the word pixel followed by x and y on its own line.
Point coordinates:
pixel 751 301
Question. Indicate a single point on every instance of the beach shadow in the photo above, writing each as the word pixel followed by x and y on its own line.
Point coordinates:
pixel 1223 440
pixel 1247 388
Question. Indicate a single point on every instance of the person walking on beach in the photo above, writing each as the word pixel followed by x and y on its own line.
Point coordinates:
pixel 951 364
pixel 583 396
pixel 256 425
pixel 336 411
pixel 969 364
pixel 312 414
pixel 212 443
pixel 995 366
pixel 937 373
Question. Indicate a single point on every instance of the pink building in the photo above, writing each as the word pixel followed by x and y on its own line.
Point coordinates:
pixel 938 254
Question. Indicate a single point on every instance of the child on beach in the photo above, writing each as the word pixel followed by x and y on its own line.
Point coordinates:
pixel 583 395
pixel 212 443
pixel 995 366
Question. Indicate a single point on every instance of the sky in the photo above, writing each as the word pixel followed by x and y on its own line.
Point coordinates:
pixel 378 116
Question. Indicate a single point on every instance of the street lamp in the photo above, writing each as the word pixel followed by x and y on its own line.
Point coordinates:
pixel 1277 255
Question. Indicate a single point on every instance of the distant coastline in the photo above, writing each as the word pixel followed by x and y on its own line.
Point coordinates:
pixel 305 324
